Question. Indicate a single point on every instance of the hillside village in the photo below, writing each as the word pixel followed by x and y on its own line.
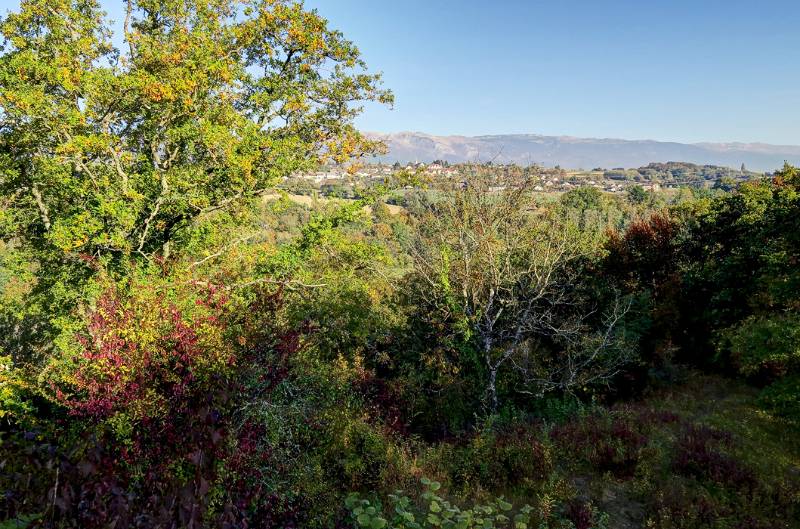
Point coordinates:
pixel 653 177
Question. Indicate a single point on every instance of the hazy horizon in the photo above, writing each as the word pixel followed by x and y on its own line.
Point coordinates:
pixel 575 136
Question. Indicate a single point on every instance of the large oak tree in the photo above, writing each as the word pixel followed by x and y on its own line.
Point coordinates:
pixel 111 157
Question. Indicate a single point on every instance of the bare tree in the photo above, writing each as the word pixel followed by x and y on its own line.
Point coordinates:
pixel 505 273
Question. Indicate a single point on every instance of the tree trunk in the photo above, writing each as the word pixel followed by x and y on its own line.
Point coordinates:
pixel 492 390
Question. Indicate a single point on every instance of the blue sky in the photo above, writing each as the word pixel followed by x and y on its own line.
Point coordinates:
pixel 702 70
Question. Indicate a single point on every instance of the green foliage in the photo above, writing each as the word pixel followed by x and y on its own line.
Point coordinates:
pixel 180 126
pixel 14 390
pixel 783 398
pixel 582 199
pixel 436 512
pixel 765 343
pixel 109 157
pixel 682 173
pixel 516 457
pixel 593 211
pixel 21 522
pixel 182 347
pixel 636 194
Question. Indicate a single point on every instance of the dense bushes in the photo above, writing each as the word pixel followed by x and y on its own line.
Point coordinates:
pixel 145 350
pixel 262 393
pixel 608 444
pixel 517 458
pixel 719 281
pixel 179 399
pixel 136 420
pixel 698 455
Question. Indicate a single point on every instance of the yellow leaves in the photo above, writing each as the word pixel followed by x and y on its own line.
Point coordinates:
pixel 12 384
pixel 184 84
pixel 69 77
pixel 8 99
pixel 296 35
pixel 296 104
pixel 74 232
pixel 348 145
pixel 225 74
pixel 173 59
pixel 157 92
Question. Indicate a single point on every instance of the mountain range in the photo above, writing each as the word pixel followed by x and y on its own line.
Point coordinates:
pixel 584 153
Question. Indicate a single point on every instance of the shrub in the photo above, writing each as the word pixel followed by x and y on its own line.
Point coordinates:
pixel 146 355
pixel 768 345
pixel 698 456
pixel 583 515
pixel 498 460
pixel 783 398
pixel 434 511
pixel 609 443
pixel 676 507
pixel 137 425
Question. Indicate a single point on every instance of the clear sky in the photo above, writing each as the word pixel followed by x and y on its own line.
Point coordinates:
pixel 680 70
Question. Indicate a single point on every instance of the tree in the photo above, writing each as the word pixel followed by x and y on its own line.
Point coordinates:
pixel 726 183
pixel 110 157
pixel 108 152
pixel 636 194
pixel 593 209
pixel 504 274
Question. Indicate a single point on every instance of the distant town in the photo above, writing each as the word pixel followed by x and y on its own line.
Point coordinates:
pixel 652 177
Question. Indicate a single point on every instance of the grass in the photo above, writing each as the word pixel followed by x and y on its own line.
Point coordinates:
pixel 761 439
pixel 749 478
pixel 697 455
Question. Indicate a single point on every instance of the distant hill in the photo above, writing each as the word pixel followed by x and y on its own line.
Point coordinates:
pixel 586 153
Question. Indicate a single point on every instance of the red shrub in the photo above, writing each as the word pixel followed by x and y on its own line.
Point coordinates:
pixel 147 398
pixel 146 352
pixel 698 456
pixel 581 514
pixel 681 508
pixel 610 444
